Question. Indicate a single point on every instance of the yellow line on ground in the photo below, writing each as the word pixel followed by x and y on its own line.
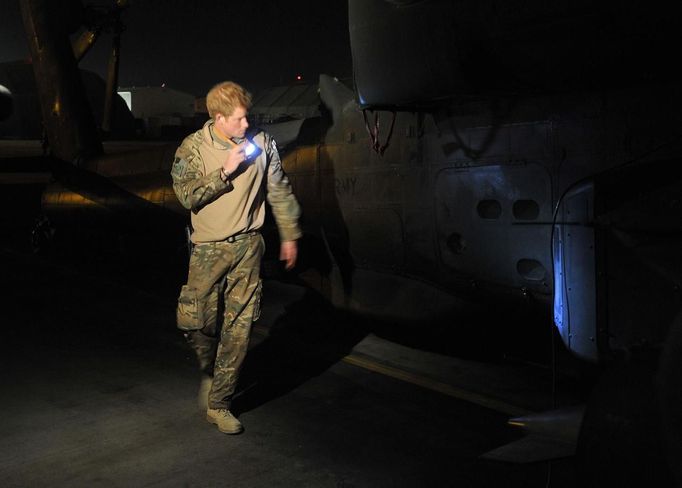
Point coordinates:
pixel 431 384
pixel 425 382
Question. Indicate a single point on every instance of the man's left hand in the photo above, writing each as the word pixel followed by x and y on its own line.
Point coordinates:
pixel 288 252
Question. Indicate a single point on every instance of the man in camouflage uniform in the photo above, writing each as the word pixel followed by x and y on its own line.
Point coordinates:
pixel 223 175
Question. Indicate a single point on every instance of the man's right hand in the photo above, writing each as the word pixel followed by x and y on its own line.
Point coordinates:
pixel 235 157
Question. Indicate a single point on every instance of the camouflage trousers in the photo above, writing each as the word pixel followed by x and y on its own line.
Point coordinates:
pixel 226 276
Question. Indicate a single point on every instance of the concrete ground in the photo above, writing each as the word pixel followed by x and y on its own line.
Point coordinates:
pixel 99 389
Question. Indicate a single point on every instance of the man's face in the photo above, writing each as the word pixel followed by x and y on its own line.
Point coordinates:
pixel 233 125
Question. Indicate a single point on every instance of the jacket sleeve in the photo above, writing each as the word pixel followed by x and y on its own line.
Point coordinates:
pixel 285 207
pixel 193 188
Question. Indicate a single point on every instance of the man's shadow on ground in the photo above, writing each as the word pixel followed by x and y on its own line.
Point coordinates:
pixel 311 336
pixel 302 343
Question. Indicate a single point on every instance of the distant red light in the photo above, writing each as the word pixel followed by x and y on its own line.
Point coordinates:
pixel 299 77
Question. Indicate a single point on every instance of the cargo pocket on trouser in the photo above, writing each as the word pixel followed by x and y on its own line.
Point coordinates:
pixel 258 294
pixel 189 312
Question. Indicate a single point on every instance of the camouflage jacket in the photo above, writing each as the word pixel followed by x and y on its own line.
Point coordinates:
pixel 220 209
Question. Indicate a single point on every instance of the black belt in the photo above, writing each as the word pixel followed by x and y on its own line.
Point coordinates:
pixel 239 237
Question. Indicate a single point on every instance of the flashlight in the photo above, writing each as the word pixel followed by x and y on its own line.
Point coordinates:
pixel 251 151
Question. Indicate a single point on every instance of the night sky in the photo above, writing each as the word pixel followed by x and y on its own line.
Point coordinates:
pixel 190 45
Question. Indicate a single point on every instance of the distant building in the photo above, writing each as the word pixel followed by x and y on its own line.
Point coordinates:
pixel 165 112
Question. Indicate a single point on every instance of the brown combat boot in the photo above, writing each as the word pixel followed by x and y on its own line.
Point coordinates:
pixel 226 422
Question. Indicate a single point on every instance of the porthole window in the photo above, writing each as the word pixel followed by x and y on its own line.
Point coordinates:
pixel 526 210
pixel 489 209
